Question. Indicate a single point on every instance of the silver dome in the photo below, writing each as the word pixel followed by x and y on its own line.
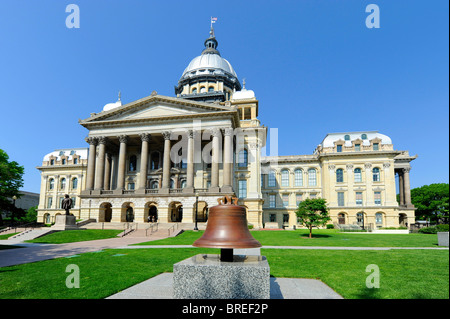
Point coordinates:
pixel 209 64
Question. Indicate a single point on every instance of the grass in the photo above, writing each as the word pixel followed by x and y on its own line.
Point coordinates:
pixel 321 237
pixel 71 236
pixel 404 274
pixel 101 273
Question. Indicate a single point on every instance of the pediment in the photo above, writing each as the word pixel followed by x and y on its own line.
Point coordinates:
pixel 155 107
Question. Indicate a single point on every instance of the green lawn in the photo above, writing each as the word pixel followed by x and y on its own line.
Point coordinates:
pixel 321 237
pixel 403 273
pixel 71 236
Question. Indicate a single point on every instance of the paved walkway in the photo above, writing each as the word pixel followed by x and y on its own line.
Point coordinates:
pixel 38 252
pixel 161 287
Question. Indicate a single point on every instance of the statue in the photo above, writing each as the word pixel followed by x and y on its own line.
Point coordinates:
pixel 66 204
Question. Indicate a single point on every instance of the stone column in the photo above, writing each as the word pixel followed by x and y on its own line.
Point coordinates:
pixel 401 188
pixel 228 161
pixel 107 181
pixel 190 163
pixel 100 173
pixel 145 137
pixel 407 187
pixel 215 161
pixel 122 161
pixel 166 162
pixel 91 162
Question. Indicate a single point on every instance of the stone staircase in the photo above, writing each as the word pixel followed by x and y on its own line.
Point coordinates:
pixel 29 235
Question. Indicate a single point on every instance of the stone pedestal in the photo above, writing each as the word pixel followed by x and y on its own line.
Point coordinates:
pixel 442 239
pixel 206 277
pixel 65 222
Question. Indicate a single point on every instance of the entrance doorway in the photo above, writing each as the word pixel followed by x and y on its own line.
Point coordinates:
pixel 341 219
pixel 176 212
pixel 153 214
pixel 129 215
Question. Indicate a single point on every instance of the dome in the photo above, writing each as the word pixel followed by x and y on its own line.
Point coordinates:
pixel 209 64
pixel 114 105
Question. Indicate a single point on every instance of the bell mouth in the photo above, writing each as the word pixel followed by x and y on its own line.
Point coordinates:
pixel 233 245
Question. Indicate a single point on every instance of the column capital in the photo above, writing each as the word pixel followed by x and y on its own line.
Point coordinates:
pixel 102 140
pixel 145 137
pixel 166 135
pixel 216 132
pixel 123 138
pixel 91 140
pixel 406 169
pixel 228 131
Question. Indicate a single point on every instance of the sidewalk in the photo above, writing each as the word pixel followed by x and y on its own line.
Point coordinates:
pixel 37 252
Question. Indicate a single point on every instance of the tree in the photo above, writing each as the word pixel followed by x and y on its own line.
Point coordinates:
pixel 313 212
pixel 431 202
pixel 10 181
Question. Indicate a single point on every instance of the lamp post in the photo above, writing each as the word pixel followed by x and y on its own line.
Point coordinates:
pixel 196 210
pixel 14 208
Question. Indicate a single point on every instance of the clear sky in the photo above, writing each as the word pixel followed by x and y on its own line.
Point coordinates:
pixel 314 66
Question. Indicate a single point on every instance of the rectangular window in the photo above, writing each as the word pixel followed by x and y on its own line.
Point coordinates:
pixel 49 202
pixel 376 146
pixel 314 195
pixel 60 202
pixel 73 202
pixel 273 218
pixel 285 218
pixel 285 198
pixel 272 179
pixel 340 196
pixel 130 186
pixel 298 198
pixel 359 198
pixel 357 147
pixel 243 189
pixel 377 198
pixel 339 148
pixel 262 181
pixel 272 201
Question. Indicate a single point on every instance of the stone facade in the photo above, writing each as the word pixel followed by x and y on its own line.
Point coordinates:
pixel 153 159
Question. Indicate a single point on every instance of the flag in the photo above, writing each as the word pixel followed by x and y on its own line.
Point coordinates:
pixel 213 20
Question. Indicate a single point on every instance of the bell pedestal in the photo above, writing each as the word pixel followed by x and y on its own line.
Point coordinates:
pixel 207 277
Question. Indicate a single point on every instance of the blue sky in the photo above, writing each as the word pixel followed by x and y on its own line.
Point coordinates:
pixel 315 60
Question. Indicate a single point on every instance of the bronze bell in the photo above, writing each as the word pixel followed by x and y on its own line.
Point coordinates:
pixel 227 229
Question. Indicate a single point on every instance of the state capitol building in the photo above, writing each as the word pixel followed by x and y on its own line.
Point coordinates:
pixel 154 158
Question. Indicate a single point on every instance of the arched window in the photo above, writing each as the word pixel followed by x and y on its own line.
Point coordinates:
pixel 243 158
pixel 379 218
pixel 202 89
pixel 63 183
pixel 272 180
pixel 347 137
pixel 211 89
pixel 312 180
pixel 183 183
pixel 358 176
pixel 172 184
pixel 132 164
pixel 194 90
pixel 376 174
pixel 364 136
pixel 298 173
pixel 51 183
pixel 339 175
pixel 74 183
pixel 285 178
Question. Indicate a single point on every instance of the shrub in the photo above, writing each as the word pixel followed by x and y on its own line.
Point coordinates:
pixel 442 228
pixel 428 230
pixel 330 226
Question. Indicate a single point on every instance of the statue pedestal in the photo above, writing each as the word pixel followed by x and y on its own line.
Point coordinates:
pixel 206 277
pixel 65 222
